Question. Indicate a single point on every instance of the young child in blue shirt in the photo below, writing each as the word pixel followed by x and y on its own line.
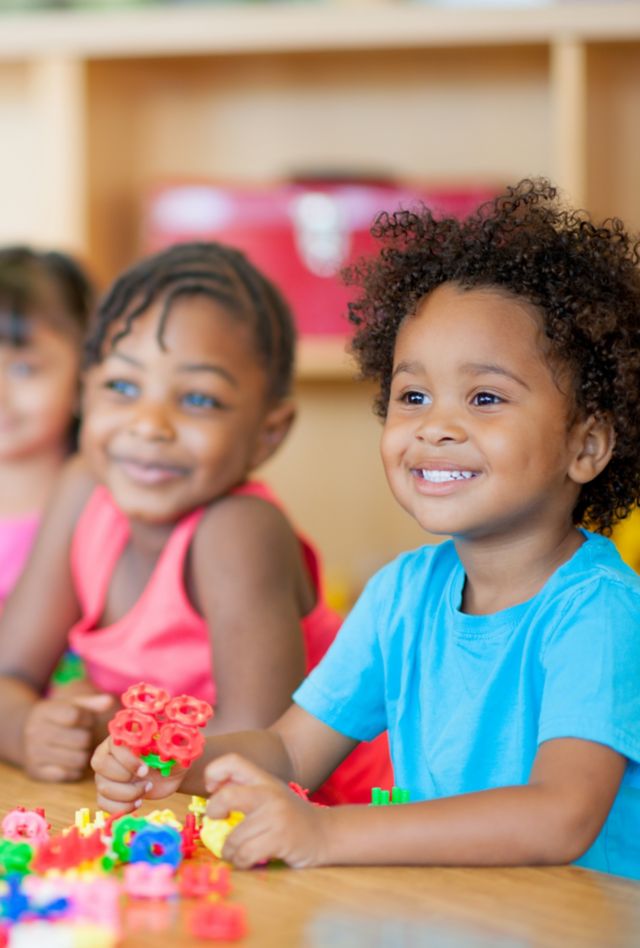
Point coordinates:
pixel 504 661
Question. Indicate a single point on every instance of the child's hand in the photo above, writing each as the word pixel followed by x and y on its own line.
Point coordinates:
pixel 58 736
pixel 122 779
pixel 278 824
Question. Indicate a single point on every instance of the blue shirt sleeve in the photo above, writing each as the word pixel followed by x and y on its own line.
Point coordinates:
pixel 591 666
pixel 346 690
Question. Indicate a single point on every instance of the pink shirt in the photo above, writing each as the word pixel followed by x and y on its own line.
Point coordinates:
pixel 163 640
pixel 16 539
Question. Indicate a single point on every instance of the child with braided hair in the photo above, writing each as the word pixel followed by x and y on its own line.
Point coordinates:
pixel 160 559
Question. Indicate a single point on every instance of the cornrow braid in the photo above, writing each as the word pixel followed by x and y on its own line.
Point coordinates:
pixel 221 273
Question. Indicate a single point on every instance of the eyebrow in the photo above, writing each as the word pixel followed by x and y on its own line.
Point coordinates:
pixel 185 367
pixel 492 368
pixel 472 368
pixel 413 368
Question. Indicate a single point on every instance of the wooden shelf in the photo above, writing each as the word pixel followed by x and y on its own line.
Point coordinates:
pixel 284 27
pixel 324 358
pixel 98 107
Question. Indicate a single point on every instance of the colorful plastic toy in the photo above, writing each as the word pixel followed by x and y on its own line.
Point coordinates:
pixel 15 857
pixel 69 850
pixel 190 835
pixel 145 881
pixel 161 730
pixel 381 797
pixel 25 826
pixel 218 921
pixel 123 831
pixel 202 879
pixel 134 729
pixel 213 833
pixel 180 743
pixel 187 710
pixel 144 697
pixel 156 845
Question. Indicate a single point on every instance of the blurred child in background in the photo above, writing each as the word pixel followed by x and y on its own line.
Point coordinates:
pixel 159 559
pixel 45 300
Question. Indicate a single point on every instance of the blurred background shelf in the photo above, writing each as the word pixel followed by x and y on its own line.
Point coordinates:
pixel 184 29
pixel 97 107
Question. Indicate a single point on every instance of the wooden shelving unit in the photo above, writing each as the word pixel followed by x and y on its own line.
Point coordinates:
pixel 96 107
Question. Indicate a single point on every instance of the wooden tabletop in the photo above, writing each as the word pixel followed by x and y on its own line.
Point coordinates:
pixel 380 907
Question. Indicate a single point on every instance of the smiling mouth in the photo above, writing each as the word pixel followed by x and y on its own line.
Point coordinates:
pixel 149 472
pixel 442 477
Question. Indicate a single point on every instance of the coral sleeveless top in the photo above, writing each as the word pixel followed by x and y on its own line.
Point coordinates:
pixel 163 640
pixel 16 539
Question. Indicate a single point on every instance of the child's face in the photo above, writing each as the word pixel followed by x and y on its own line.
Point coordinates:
pixel 168 430
pixel 38 392
pixel 478 441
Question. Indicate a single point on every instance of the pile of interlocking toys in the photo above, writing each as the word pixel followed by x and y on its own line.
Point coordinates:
pixel 66 889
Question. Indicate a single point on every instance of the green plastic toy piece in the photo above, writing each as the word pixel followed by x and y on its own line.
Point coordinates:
pixel 380 797
pixel 164 766
pixel 70 668
pixel 15 857
pixel 122 831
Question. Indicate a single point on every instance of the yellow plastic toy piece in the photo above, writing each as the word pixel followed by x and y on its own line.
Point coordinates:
pixel 164 818
pixel 198 806
pixel 213 833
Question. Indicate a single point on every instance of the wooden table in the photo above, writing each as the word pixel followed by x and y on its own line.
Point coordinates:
pixel 381 907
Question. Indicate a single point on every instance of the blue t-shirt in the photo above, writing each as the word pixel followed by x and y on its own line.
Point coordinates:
pixel 467 699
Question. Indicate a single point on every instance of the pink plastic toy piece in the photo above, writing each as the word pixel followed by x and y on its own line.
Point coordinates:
pixel 180 743
pixel 201 879
pixel 134 729
pixel 187 710
pixel 25 826
pixel 145 881
pixel 218 921
pixel 145 697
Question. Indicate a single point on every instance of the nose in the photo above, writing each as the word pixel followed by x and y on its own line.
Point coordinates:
pixel 441 424
pixel 151 420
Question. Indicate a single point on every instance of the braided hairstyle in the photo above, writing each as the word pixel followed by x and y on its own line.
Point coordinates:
pixel 221 273
pixel 582 276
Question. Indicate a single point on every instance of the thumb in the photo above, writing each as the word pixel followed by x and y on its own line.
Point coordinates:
pixel 95 703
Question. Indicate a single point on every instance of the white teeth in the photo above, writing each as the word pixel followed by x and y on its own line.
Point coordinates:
pixel 440 477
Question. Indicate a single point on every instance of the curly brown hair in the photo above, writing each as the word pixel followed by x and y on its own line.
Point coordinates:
pixel 583 277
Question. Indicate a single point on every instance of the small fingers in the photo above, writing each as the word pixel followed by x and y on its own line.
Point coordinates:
pixel 113 795
pixel 233 796
pixel 54 773
pixel 234 768
pixel 250 848
pixel 117 762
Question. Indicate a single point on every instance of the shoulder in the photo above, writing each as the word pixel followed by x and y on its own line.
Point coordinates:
pixel 593 597
pixel 597 575
pixel 248 529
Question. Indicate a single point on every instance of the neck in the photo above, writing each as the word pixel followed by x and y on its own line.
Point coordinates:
pixel 502 573
pixel 148 539
pixel 26 483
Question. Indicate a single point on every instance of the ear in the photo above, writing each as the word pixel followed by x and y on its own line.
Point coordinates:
pixel 594 443
pixel 275 428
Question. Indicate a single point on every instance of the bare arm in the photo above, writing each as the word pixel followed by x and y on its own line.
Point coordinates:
pixel 38 614
pixel 249 584
pixel 297 747
pixel 551 820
